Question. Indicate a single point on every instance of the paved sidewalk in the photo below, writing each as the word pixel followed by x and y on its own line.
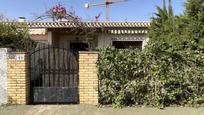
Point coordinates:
pixel 92 110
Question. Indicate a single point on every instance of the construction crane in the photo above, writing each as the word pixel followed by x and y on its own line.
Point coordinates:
pixel 107 4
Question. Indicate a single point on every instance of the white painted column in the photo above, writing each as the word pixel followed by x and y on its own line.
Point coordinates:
pixel 49 38
pixel 144 42
pixel 3 76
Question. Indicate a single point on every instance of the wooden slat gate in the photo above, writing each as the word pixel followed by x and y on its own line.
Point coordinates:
pixel 54 75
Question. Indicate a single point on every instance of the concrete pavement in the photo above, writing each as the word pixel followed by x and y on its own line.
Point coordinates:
pixel 92 110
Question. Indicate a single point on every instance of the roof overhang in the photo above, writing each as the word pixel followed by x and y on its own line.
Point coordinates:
pixel 41 28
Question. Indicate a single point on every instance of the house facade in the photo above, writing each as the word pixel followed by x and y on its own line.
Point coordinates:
pixel 71 36
pixel 57 75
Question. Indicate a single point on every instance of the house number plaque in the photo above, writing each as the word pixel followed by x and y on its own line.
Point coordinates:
pixel 20 57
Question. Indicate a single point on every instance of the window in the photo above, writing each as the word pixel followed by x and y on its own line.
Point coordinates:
pixel 127 44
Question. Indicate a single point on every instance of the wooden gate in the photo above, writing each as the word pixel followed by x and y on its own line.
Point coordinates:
pixel 54 75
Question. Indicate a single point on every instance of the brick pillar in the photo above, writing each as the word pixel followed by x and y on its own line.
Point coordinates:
pixel 18 78
pixel 88 78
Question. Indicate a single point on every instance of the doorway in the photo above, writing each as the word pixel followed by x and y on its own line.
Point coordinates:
pixel 79 46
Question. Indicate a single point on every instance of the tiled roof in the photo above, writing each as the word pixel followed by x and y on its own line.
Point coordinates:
pixel 86 24
pixel 127 31
pixel 40 31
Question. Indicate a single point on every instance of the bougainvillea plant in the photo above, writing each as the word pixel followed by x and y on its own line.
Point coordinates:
pixel 58 12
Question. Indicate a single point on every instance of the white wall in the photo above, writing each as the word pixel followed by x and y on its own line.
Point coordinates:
pixel 3 76
pixel 66 39
pixel 104 40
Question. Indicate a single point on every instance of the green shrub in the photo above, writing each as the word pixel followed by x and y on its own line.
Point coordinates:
pixel 15 38
pixel 169 71
pixel 157 76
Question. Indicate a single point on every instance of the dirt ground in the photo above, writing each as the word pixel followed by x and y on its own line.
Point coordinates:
pixel 92 110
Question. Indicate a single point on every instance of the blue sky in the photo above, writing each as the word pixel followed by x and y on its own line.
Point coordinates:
pixel 133 10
